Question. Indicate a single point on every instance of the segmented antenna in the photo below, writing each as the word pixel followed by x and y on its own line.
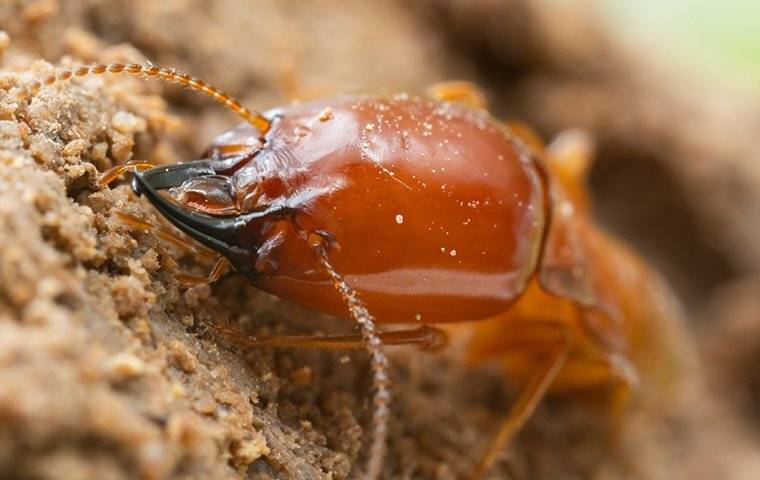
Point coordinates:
pixel 166 74
pixel 378 361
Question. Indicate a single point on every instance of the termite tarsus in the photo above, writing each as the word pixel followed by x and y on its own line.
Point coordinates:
pixel 416 209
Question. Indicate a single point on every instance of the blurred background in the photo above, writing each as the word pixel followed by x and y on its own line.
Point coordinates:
pixel 669 89
pixel 717 39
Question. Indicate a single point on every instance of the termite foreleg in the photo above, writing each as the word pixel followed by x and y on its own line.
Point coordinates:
pixel 164 234
pixel 460 91
pixel 526 404
pixel 220 265
pixel 425 338
pixel 138 166
pixel 571 154
pixel 369 338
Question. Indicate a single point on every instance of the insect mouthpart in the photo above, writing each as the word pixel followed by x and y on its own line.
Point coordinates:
pixel 210 194
pixel 228 235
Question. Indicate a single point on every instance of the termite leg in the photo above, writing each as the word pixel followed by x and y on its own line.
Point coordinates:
pixel 459 91
pixel 221 264
pixel 115 172
pixel 525 406
pixel 571 153
pixel 527 134
pixel 369 339
pixel 425 338
pixel 220 267
pixel 164 234
pixel 621 397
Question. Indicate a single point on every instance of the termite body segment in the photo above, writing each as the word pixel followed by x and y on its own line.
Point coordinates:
pixel 435 213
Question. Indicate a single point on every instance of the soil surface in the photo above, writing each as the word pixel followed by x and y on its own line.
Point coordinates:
pixel 107 367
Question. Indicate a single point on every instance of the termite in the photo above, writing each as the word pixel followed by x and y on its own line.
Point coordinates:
pixel 416 209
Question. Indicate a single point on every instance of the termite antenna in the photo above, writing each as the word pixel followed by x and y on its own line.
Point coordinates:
pixel 378 362
pixel 166 74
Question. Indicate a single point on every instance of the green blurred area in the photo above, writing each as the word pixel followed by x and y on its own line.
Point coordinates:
pixel 721 36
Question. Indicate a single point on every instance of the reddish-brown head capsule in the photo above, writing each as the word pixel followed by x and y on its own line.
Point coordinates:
pixel 430 209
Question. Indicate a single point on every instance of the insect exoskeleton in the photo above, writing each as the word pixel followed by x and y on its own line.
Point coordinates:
pixel 417 209
pixel 427 209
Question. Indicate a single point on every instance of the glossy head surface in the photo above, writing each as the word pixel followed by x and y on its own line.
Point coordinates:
pixel 433 212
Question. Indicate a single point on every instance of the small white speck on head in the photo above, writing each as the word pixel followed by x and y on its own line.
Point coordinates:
pixel 418 317
pixel 453 253
pixel 566 209
pixel 399 218
pixel 443 249
pixel 369 127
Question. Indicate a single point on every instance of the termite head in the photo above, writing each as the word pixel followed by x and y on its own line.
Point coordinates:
pixel 236 200
pixel 218 200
